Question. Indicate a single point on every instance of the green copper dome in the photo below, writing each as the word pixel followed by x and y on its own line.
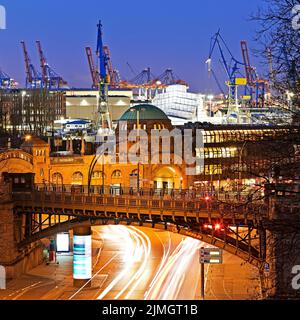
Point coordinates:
pixel 145 111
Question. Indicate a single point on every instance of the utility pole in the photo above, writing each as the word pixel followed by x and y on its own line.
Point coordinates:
pixel 202 279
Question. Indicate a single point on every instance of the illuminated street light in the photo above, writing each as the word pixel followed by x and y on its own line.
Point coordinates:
pixel 210 98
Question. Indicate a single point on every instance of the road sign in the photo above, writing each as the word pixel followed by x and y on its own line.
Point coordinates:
pixel 211 256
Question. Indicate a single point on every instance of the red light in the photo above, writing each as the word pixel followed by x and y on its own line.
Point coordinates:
pixel 218 227
pixel 207 198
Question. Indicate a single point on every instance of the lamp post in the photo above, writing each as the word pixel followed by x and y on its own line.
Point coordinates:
pixel 23 94
pixel 138 137
pixel 210 98
pixel 240 171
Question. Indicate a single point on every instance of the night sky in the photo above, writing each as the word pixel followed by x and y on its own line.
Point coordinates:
pixel 156 33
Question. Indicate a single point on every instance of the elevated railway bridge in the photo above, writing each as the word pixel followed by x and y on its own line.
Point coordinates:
pixel 264 233
pixel 233 226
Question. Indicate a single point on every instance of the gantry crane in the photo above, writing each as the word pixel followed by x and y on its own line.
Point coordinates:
pixel 253 80
pixel 94 72
pixel 6 82
pixel 103 121
pixel 232 68
pixel 169 78
pixel 114 77
pixel 34 78
pixel 51 79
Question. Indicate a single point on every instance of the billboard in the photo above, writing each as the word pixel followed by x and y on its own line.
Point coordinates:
pixel 63 242
pixel 82 257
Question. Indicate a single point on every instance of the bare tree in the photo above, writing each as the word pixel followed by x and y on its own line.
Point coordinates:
pixel 280 44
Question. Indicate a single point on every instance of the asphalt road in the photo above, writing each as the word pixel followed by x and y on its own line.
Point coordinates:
pixel 139 263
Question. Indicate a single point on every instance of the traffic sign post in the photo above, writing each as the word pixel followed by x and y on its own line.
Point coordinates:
pixel 208 256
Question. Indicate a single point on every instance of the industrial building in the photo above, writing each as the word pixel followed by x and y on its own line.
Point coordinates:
pixel 83 103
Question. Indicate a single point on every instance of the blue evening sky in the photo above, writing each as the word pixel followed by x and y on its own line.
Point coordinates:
pixel 156 33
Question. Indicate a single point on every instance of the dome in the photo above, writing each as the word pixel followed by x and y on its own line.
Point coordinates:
pixel 146 112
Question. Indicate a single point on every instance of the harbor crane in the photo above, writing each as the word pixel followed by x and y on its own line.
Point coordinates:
pixel 254 83
pixel 6 82
pixel 93 70
pixel 51 79
pixel 103 120
pixel 34 78
pixel 169 78
pixel 232 69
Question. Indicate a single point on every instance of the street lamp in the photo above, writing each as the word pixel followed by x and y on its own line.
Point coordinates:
pixel 138 136
pixel 210 98
pixel 240 164
pixel 23 94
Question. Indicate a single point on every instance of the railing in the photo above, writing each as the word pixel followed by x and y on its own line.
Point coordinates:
pixel 166 194
pixel 180 206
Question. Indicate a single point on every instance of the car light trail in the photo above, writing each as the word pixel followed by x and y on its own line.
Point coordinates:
pixel 138 249
pixel 170 279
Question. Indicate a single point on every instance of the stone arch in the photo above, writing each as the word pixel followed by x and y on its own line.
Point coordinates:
pixel 167 177
pixel 241 252
pixel 16 161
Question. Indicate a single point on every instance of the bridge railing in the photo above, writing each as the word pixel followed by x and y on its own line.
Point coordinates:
pixel 140 201
pixel 167 194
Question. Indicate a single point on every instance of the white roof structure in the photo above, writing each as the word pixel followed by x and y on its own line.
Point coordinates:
pixel 180 104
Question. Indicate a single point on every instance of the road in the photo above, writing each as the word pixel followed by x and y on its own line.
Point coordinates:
pixel 139 263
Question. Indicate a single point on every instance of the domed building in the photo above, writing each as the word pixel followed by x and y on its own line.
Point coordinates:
pixel 146 117
pixel 150 119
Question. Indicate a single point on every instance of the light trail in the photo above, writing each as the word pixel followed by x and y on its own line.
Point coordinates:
pixel 166 255
pixel 169 280
pixel 147 252
pixel 138 250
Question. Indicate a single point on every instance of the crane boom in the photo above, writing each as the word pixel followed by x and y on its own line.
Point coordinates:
pixel 250 71
pixel 50 78
pixel 94 72
pixel 100 53
pixel 33 77
pixel 42 62
pixel 29 77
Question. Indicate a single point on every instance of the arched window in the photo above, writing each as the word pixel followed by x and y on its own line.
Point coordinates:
pixel 117 174
pixel 98 175
pixel 57 178
pixel 77 178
